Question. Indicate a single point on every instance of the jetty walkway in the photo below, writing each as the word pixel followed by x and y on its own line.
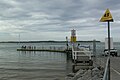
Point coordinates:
pixel 48 49
pixel 114 68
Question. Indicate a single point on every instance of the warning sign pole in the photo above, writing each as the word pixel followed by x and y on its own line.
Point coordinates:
pixel 109 38
pixel 107 17
pixel 109 49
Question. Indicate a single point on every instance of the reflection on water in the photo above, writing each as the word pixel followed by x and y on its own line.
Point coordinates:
pixel 42 56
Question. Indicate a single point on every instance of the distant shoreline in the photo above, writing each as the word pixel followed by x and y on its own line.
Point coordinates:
pixel 41 41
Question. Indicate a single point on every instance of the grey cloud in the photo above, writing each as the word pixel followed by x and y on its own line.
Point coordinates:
pixel 42 16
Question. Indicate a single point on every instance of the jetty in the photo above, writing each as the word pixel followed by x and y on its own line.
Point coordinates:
pixel 48 49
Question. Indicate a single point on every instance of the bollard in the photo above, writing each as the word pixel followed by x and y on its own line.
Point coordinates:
pixel 94 49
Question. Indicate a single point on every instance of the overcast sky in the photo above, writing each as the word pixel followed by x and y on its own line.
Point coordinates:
pixel 54 19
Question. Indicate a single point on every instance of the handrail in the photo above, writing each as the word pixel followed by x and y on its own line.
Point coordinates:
pixel 75 53
pixel 107 72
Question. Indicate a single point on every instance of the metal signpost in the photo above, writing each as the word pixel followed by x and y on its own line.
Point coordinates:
pixel 107 17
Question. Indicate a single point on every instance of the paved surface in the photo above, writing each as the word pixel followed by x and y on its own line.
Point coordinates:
pixel 115 68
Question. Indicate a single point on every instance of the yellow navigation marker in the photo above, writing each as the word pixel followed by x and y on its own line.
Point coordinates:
pixel 106 17
pixel 73 38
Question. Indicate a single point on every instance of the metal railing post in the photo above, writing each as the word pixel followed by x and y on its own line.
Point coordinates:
pixel 94 49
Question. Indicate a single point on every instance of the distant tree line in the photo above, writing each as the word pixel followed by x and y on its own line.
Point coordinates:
pixel 40 41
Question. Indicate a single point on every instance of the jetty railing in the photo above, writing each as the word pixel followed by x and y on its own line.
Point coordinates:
pixel 107 70
pixel 76 52
pixel 51 48
pixel 43 48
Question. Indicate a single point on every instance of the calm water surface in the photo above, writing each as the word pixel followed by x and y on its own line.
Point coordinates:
pixel 15 65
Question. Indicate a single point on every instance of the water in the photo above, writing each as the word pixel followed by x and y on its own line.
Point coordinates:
pixel 15 65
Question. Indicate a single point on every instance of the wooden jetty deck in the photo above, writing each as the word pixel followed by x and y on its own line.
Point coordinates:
pixel 48 50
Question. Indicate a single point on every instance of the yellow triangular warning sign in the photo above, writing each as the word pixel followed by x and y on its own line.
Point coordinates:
pixel 106 17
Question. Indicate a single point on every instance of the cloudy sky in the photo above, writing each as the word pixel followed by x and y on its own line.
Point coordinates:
pixel 53 19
